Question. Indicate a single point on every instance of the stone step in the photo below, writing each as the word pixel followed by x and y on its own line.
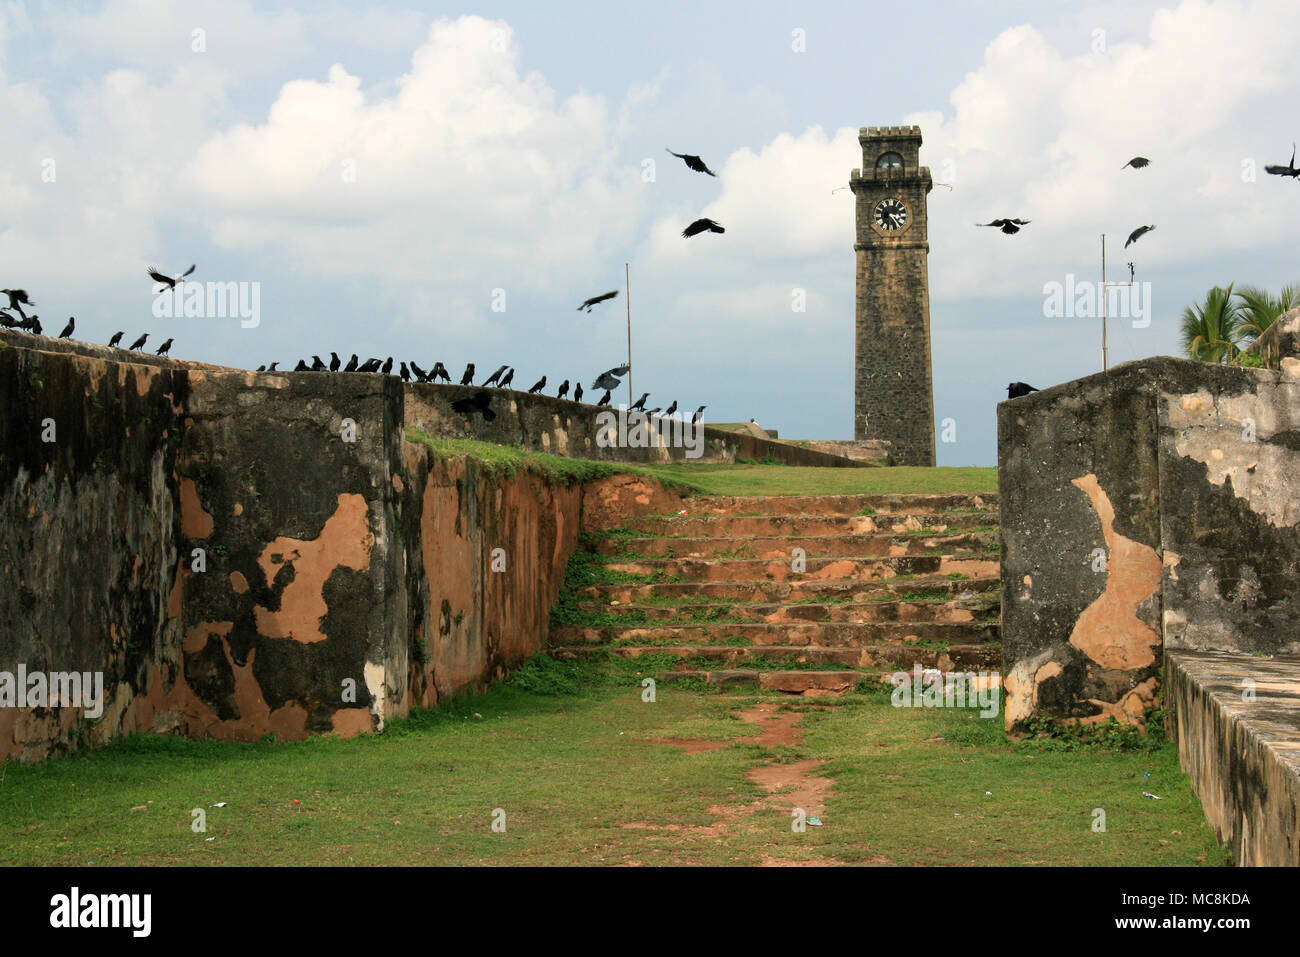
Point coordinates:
pixel 977 607
pixel 819 546
pixel 824 634
pixel 718 526
pixel 976 657
pixel 866 568
pixel 839 504
pixel 788 591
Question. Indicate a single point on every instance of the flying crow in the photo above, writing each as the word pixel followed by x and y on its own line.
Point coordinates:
pixel 699 413
pixel 169 282
pixel 606 380
pixel 117 337
pixel 1008 226
pixel 538 386
pixel 1016 389
pixel 335 362
pixel 352 364
pixel 699 226
pixel 1288 170
pixel 1137 234
pixel 604 399
pixel 7 320
pixel 139 343
pixel 67 330
pixel 17 299
pixel 693 162
pixel 510 377
pixel 468 377
pixel 480 402
pixel 564 389
pixel 596 299
pixel 1137 162
pixel 494 377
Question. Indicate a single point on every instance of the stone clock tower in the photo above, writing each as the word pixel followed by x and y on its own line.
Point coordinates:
pixel 893 393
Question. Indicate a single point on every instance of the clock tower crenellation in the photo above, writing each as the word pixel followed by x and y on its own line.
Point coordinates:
pixel 893 393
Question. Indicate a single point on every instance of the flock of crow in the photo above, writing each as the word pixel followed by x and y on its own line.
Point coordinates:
pixel 1012 226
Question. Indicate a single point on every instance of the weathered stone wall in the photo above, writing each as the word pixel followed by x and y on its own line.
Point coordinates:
pixel 1151 505
pixel 875 451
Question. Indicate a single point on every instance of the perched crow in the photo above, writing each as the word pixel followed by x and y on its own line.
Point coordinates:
pixel 163 349
pixel 261 368
pixel 34 324
pixel 352 364
pixel 139 343
pixel 301 367
pixel 1008 226
pixel 335 362
pixel 493 377
pixel 67 330
pixel 271 367
pixel 604 399
pixel 564 389
pixel 420 374
pixel 639 404
pixel 318 364
pixel 671 409
pixel 117 337
pixel 1016 389
pixel 439 372
pixel 1137 162
pixel 468 377
pixel 1288 170
pixel 510 377
pixel 653 412
pixel 169 282
pixel 595 299
pixel 699 413
pixel 388 366
pixel 538 386
pixel 1137 234
pixel 370 365
pixel 17 299
pixel 406 374
pixel 577 392
pixel 480 402
pixel 7 320
pixel 699 226
pixel 693 162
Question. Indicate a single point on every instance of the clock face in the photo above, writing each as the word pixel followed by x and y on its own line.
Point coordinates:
pixel 890 215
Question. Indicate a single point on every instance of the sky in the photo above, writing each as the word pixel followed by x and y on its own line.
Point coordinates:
pixel 447 183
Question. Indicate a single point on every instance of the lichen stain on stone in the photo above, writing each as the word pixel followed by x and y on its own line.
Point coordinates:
pixel 1109 631
pixel 195 521
pixel 345 541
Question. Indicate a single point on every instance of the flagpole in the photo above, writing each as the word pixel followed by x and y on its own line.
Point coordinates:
pixel 627 282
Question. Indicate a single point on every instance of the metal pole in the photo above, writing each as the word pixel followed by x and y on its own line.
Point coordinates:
pixel 627 281
pixel 1103 302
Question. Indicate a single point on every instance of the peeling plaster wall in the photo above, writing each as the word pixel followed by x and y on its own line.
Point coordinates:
pixel 1137 514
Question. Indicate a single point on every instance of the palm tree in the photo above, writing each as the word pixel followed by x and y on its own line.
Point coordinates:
pixel 1260 309
pixel 1210 329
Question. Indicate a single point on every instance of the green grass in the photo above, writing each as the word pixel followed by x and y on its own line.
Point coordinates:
pixel 562 749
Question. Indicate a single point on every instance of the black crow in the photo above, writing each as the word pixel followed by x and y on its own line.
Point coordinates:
pixel 271 367
pixel 169 282
pixel 577 392
pixel 370 365
pixel 604 399
pixel 17 299
pixel 595 299
pixel 163 349
pixel 406 375
pixel 494 377
pixel 261 368
pixel 671 409
pixel 639 404
pixel 480 402
pixel 139 343
pixel 34 324
pixel 117 337
pixel 388 366
pixel 564 389
pixel 335 362
pixel 7 320
pixel 67 330
pixel 693 162
pixel 468 377
pixel 1016 389
pixel 420 374
pixel 510 377
pixel 1288 170
pixel 301 367
pixel 699 413
pixel 318 364
pixel 439 372
pixel 1137 162
pixel 699 226
pixel 1008 226
pixel 352 364
pixel 538 386
pixel 606 381
pixel 653 412
pixel 1137 234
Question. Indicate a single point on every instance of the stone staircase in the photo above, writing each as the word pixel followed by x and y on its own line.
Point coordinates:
pixel 886 582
